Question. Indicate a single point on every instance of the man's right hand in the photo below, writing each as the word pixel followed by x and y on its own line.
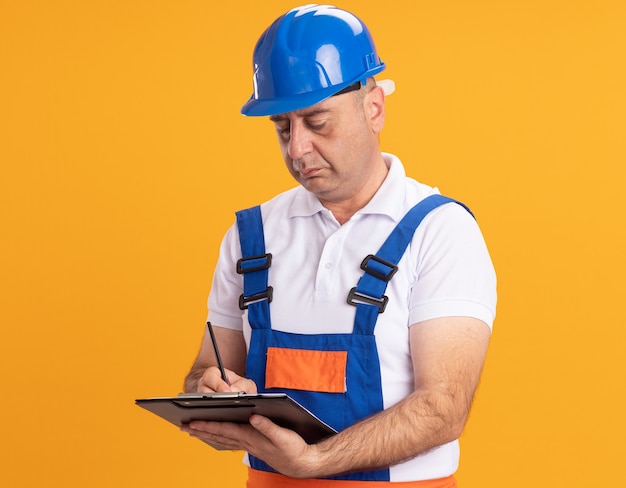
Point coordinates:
pixel 211 381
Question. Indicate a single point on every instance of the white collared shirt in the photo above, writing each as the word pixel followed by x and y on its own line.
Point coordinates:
pixel 446 271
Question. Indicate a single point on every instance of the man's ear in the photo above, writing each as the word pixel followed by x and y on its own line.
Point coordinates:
pixel 375 108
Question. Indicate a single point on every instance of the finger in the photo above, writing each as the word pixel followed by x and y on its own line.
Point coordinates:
pixel 202 388
pixel 211 381
pixel 225 434
pixel 216 441
pixel 242 384
pixel 264 425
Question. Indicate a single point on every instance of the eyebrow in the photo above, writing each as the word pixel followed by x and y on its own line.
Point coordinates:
pixel 309 113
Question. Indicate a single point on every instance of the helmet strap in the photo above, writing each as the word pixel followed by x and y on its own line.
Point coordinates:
pixel 353 87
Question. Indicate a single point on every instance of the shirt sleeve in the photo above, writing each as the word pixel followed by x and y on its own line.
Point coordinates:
pixel 227 285
pixel 455 274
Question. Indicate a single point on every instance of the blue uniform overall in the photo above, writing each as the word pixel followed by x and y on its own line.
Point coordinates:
pixel 354 357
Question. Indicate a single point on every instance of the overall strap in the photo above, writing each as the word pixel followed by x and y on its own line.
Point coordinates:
pixel 254 266
pixel 368 296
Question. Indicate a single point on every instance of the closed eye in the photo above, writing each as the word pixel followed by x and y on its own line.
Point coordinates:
pixel 284 131
pixel 316 126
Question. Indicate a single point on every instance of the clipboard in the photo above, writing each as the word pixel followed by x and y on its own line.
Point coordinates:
pixel 238 407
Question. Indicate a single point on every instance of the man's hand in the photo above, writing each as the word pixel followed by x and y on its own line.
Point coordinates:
pixel 282 449
pixel 205 377
pixel 211 381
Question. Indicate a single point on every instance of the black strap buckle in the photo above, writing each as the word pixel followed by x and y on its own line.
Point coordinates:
pixel 356 297
pixel 254 263
pixel 264 295
pixel 377 273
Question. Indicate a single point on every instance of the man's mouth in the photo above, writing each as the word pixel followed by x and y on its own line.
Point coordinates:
pixel 309 172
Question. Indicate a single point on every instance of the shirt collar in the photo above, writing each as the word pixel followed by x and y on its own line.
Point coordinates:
pixel 390 197
pixel 386 201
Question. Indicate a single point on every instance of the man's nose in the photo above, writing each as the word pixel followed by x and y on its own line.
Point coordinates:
pixel 299 141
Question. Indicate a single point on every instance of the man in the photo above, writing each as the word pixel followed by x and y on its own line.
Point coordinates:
pixel 388 349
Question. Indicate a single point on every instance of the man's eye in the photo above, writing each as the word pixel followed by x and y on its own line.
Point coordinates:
pixel 283 131
pixel 282 128
pixel 316 125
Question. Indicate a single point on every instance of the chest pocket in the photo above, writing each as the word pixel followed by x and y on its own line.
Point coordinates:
pixel 303 369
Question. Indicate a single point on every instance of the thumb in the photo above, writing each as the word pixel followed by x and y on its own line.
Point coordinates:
pixel 264 425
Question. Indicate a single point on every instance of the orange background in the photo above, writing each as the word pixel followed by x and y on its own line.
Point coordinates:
pixel 124 156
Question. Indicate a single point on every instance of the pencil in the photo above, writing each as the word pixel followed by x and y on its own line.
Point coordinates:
pixel 220 364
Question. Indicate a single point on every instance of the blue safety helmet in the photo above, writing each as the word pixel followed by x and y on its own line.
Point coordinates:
pixel 307 55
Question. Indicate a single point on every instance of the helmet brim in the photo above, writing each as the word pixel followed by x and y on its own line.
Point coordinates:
pixel 259 107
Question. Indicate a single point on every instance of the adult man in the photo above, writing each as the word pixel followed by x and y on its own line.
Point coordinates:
pixel 388 353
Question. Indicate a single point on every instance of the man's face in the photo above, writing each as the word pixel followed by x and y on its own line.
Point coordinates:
pixel 331 148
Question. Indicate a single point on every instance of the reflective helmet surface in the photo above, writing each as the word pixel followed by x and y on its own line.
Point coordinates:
pixel 308 55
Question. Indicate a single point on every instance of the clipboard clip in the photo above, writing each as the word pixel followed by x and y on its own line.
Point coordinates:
pixel 221 394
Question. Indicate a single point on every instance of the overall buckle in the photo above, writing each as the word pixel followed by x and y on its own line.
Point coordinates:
pixel 254 263
pixel 356 297
pixel 264 295
pixel 380 273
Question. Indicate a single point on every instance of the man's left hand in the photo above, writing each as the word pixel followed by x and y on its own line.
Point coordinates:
pixel 283 449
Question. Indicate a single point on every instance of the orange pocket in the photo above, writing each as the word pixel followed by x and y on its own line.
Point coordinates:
pixel 302 369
